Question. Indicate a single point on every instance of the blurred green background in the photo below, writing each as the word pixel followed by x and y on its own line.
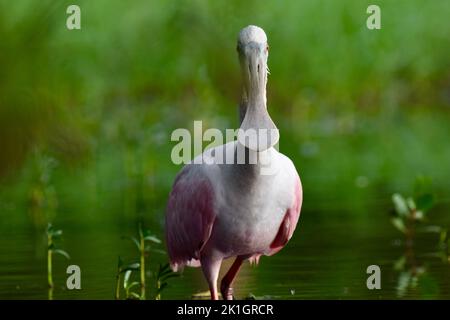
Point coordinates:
pixel 86 118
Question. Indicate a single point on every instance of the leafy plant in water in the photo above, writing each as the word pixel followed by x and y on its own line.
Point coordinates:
pixel 127 284
pixel 409 211
pixel 52 235
pixel 143 244
pixel 164 273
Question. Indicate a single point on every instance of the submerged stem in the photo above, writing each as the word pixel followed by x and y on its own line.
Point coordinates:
pixel 49 261
pixel 117 294
pixel 158 287
pixel 142 256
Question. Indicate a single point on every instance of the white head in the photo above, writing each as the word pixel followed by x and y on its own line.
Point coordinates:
pixel 252 34
pixel 253 51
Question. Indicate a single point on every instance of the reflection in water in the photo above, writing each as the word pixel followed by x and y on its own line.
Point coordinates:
pixel 413 272
pixel 410 272
pixel 408 214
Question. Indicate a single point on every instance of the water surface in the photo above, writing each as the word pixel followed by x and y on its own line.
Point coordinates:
pixel 326 259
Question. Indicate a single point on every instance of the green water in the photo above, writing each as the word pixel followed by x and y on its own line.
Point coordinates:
pixel 326 259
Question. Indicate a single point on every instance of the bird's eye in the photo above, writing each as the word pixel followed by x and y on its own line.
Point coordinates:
pixel 267 48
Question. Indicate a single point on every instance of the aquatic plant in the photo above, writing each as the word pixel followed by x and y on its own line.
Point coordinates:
pixel 52 235
pixel 412 210
pixel 408 213
pixel 126 269
pixel 143 245
pixel 163 274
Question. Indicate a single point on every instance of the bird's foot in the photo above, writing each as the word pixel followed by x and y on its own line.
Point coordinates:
pixel 227 293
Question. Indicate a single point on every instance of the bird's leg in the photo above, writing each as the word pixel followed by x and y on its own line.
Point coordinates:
pixel 227 280
pixel 211 268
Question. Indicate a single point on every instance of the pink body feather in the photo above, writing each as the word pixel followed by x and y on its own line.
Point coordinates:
pixel 189 220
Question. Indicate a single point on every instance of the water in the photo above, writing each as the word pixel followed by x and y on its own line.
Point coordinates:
pixel 326 259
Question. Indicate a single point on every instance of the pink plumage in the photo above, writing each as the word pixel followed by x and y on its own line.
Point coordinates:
pixel 289 222
pixel 189 220
pixel 220 210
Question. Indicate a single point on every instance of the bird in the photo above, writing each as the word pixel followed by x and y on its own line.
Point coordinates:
pixel 241 209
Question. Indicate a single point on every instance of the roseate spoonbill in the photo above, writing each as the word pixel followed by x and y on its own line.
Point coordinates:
pixel 220 210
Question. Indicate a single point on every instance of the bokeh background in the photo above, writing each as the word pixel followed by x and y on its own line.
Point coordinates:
pixel 86 118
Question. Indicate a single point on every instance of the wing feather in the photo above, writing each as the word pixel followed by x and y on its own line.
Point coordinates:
pixel 189 217
pixel 289 222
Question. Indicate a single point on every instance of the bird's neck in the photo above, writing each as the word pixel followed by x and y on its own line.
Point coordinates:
pixel 250 165
pixel 251 98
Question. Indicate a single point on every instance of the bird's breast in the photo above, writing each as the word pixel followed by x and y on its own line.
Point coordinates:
pixel 248 220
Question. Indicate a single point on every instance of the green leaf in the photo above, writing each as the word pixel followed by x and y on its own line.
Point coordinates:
pixel 52 232
pixel 172 275
pixel 157 251
pixel 152 239
pixel 119 263
pixel 411 204
pixel 443 237
pixel 164 273
pixel 163 270
pixel 135 295
pixel 135 241
pixel 425 202
pixel 132 266
pixel 164 267
pixel 161 287
pixel 62 252
pixel 399 224
pixel 150 236
pixel 250 296
pixel 56 233
pixel 126 278
pixel 400 205
pixel 419 215
pixel 146 233
pixel 133 284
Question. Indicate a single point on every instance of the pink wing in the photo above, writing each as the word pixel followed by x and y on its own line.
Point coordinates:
pixel 289 222
pixel 189 217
